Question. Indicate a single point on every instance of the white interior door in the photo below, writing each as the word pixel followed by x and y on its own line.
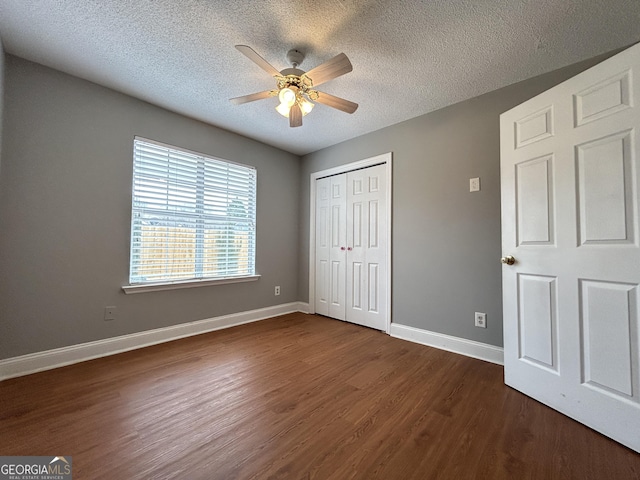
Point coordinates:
pixel 366 247
pixel 351 247
pixel 570 176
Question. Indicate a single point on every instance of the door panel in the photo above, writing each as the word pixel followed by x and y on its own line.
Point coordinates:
pixel 534 127
pixel 534 198
pixel 605 190
pixel 538 320
pixel 609 321
pixel 374 229
pixel 323 250
pixel 603 99
pixel 331 246
pixel 570 218
pixel 337 304
pixel 356 221
pixel 374 288
pixel 366 255
pixel 323 285
pixel 357 285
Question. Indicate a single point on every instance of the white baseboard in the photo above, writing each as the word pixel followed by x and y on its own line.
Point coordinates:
pixel 483 351
pixel 49 359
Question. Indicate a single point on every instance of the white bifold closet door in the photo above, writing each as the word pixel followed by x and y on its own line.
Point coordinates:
pixel 351 236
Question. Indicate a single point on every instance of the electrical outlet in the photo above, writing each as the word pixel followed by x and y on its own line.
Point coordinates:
pixel 474 184
pixel 277 292
pixel 481 320
pixel 109 313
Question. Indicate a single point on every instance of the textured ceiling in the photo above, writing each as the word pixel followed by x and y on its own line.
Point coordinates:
pixel 409 57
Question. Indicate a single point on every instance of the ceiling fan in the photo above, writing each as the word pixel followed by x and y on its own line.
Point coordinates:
pixel 295 88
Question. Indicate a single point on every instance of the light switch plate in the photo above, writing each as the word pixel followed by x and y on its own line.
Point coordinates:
pixel 474 184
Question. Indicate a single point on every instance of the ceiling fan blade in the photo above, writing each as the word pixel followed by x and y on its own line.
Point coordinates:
pixel 251 54
pixel 295 116
pixel 336 102
pixel 338 65
pixel 253 97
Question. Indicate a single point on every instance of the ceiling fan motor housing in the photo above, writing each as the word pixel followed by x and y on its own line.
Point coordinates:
pixel 292 71
pixel 295 57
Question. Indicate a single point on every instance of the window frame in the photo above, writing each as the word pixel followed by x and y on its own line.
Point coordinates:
pixel 196 281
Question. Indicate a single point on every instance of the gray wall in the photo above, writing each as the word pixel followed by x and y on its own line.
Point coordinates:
pixel 446 240
pixel 2 61
pixel 65 200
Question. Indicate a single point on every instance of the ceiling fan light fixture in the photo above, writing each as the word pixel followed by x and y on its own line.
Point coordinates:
pixel 287 97
pixel 294 87
pixel 283 110
pixel 305 105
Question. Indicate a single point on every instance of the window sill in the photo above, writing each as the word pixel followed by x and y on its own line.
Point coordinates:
pixel 155 287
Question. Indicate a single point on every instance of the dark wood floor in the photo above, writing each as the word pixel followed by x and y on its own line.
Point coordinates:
pixel 297 397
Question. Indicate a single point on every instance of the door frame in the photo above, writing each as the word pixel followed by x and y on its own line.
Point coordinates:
pixel 387 160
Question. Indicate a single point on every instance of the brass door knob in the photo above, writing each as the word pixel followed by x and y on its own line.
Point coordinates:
pixel 508 260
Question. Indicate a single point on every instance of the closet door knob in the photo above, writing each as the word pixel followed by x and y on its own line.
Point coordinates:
pixel 342 248
pixel 349 248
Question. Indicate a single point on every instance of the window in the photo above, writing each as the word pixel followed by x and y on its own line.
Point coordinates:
pixel 193 217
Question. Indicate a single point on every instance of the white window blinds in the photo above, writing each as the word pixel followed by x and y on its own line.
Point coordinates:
pixel 193 217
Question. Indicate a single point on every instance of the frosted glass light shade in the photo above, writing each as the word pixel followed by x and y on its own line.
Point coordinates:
pixel 305 106
pixel 287 97
pixel 283 110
